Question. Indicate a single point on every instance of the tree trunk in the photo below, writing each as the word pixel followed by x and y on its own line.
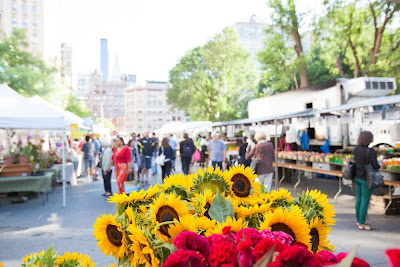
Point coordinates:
pixel 338 65
pixel 357 67
pixel 298 47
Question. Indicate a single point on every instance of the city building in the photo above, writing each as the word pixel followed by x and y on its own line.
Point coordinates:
pixel 66 64
pixel 82 91
pixel 26 15
pixel 104 59
pixel 146 107
pixel 251 36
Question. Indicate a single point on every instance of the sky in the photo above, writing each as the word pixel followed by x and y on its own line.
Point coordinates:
pixel 148 36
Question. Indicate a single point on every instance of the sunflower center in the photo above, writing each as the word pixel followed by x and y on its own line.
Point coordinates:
pixel 283 228
pixel 207 208
pixel 146 256
pixel 166 214
pixel 113 235
pixel 241 185
pixel 314 240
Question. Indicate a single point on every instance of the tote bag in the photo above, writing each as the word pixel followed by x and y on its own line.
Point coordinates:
pixel 160 159
pixel 348 174
pixel 196 156
pixel 374 177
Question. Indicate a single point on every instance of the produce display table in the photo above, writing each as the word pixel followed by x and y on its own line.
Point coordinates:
pixel 70 175
pixel 295 166
pixel 39 184
pixel 390 184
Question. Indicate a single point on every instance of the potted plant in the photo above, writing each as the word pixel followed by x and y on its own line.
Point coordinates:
pixel 25 154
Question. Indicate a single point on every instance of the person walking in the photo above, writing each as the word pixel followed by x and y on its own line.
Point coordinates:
pixel 97 153
pixel 362 156
pixel 89 151
pixel 217 151
pixel 105 162
pixel 146 152
pixel 166 150
pixel 242 153
pixel 186 148
pixel 154 167
pixel 265 154
pixel 173 143
pixel 135 137
pixel 203 150
pixel 122 162
pixel 134 159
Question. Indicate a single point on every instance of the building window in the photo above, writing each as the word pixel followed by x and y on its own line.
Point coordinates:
pixel 160 102
pixel 34 9
pixel 14 7
pixel 24 9
pixel 148 102
pixel 14 22
pixel 173 118
pixel 179 118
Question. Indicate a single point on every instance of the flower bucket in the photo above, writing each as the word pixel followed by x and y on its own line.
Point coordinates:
pixel 23 160
pixel 9 160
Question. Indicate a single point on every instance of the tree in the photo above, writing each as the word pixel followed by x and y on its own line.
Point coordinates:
pixel 286 19
pixel 215 81
pixel 77 107
pixel 21 70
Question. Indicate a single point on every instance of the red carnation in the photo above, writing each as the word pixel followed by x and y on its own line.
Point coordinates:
pixel 245 253
pixel 297 256
pixel 265 245
pixel 215 240
pixel 357 262
pixel 192 241
pixel 185 258
pixel 300 244
pixel 327 258
pixel 393 256
pixel 223 253
pixel 251 234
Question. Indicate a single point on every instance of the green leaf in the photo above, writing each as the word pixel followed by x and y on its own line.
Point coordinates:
pixel 47 259
pixel 221 208
pixel 347 262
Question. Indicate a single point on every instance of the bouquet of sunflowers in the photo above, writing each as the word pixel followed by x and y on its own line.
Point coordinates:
pixel 209 202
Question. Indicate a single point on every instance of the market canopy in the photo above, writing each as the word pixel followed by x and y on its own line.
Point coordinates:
pixel 16 112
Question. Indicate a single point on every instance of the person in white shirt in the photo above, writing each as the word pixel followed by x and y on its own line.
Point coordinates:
pixel 203 150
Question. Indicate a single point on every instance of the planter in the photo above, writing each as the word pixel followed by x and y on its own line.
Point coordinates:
pixel 9 160
pixel 23 160
pixel 38 173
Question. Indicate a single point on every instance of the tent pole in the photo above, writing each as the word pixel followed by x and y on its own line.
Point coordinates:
pixel 63 169
pixel 276 154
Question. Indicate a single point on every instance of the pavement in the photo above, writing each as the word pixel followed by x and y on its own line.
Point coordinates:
pixel 30 227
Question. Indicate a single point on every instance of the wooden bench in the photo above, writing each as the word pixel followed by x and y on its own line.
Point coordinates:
pixel 390 184
pixel 16 170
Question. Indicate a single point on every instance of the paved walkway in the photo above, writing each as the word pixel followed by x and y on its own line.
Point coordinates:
pixel 30 227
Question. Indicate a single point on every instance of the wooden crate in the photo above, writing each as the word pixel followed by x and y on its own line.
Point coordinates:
pixel 378 204
pixel 16 170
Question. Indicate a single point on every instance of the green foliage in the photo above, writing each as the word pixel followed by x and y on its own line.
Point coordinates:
pixel 21 70
pixel 77 107
pixel 221 208
pixel 217 78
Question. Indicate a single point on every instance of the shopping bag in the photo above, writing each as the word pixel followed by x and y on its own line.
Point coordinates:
pixel 130 184
pixel 160 160
pixel 348 174
pixel 374 177
pixel 196 156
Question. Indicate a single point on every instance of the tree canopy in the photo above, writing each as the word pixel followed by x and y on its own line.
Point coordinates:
pixel 214 81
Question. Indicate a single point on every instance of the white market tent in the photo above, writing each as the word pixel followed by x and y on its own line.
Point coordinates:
pixel 178 127
pixel 16 112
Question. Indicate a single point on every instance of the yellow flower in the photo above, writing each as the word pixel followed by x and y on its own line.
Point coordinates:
pixel 167 208
pixel 322 199
pixel 290 221
pixel 110 236
pixel 1 264
pixel 118 198
pixel 243 212
pixel 280 196
pixel 235 225
pixel 131 215
pixel 112 265
pixel 202 202
pixel 185 223
pixel 243 185
pixel 32 258
pixel 151 192
pixel 210 179
pixel 319 235
pixel 203 224
pixel 74 259
pixel 178 180
pixel 143 253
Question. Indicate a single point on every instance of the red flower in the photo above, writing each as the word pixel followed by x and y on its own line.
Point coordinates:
pixel 192 241
pixel 297 256
pixel 281 236
pixel 393 256
pixel 300 244
pixel 224 253
pixel 265 245
pixel 357 262
pixel 327 258
pixel 251 234
pixel 185 258
pixel 215 240
pixel 246 253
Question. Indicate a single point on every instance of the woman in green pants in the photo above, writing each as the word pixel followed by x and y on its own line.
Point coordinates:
pixel 363 194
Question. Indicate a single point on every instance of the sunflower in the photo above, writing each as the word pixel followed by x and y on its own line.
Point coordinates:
pixel 131 215
pixel 319 236
pixel 243 185
pixel 203 224
pixel 327 209
pixel 143 253
pixel 243 212
pixel 235 225
pixel 73 259
pixel 211 179
pixel 151 192
pixel 185 223
pixel 202 203
pixel 279 198
pixel 118 199
pixel 177 180
pixel 110 236
pixel 290 221
pixel 167 208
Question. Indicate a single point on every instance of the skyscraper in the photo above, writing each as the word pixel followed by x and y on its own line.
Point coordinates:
pixel 104 58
